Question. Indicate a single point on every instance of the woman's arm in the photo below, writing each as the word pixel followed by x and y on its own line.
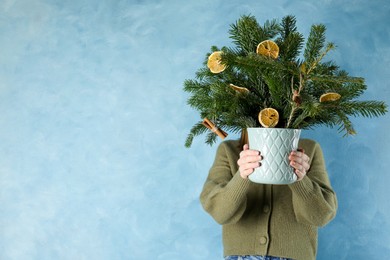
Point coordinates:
pixel 224 195
pixel 314 201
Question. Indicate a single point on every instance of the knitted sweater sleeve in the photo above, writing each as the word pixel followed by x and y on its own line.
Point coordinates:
pixel 224 192
pixel 314 200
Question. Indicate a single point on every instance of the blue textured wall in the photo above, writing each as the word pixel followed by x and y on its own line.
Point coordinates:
pixel 93 120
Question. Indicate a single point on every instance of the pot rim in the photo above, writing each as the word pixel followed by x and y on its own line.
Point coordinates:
pixel 275 128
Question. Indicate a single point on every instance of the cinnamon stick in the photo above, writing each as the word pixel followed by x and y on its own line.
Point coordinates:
pixel 207 123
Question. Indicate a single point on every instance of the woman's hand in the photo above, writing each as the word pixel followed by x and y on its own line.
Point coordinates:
pixel 300 162
pixel 248 161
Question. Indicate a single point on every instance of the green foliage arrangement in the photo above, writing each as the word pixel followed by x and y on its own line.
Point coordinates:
pixel 292 83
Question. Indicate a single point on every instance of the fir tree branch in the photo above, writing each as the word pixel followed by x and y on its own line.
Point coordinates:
pixel 317 60
pixel 345 124
pixel 211 138
pixel 292 114
pixel 315 43
pixel 291 86
pixel 336 79
pixel 364 108
pixel 247 33
pixel 196 130
pixel 290 41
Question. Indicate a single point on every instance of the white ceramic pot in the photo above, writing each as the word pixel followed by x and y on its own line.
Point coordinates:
pixel 275 145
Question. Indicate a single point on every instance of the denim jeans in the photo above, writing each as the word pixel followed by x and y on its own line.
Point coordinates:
pixel 254 257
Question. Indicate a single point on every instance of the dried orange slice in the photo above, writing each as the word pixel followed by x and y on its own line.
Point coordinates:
pixel 268 48
pixel 330 96
pixel 269 117
pixel 239 89
pixel 214 62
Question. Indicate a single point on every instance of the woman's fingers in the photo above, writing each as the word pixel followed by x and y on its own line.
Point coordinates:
pixel 300 175
pixel 248 152
pixel 251 159
pixel 248 161
pixel 299 157
pixel 300 162
pixel 248 169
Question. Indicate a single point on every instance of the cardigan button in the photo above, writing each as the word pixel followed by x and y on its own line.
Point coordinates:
pixel 263 240
pixel 266 208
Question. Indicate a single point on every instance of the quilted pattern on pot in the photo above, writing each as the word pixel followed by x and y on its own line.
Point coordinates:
pixel 275 145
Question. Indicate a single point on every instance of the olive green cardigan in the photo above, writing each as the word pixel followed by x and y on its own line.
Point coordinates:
pixel 276 220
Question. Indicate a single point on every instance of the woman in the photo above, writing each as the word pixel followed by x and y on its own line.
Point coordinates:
pixel 261 221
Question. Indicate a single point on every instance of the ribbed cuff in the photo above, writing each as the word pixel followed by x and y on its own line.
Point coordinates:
pixel 303 187
pixel 238 187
